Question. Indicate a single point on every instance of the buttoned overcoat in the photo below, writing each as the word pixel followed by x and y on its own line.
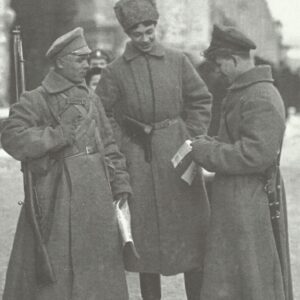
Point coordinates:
pixel 169 217
pixel 241 260
pixel 75 201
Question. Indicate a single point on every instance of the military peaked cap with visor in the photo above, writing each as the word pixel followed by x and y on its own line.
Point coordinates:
pixel 132 12
pixel 72 42
pixel 100 53
pixel 228 40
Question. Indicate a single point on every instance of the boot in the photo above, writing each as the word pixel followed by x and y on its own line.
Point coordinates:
pixel 193 283
pixel 150 286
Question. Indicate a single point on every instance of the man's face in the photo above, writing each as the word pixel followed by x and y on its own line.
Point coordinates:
pixel 226 67
pixel 143 37
pixel 98 63
pixel 94 81
pixel 73 67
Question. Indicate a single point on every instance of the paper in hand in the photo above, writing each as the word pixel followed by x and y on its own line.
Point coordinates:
pixel 183 163
pixel 182 152
pixel 124 223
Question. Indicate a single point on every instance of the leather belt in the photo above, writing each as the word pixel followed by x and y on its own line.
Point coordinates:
pixel 141 133
pixel 164 124
pixel 87 151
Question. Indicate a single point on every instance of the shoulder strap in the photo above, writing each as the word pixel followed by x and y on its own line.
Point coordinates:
pixel 47 96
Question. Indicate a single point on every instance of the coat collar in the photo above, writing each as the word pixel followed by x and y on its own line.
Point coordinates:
pixel 256 74
pixel 131 52
pixel 55 83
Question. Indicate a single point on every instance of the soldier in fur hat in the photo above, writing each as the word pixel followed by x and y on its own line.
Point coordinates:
pixel 158 101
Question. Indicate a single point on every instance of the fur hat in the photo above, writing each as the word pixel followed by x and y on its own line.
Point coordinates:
pixel 132 12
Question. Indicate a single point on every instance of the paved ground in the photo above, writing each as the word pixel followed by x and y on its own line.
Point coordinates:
pixel 172 287
pixel 290 166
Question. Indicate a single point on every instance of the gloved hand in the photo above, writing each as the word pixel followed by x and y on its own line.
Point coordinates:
pixel 123 197
pixel 201 145
pixel 69 132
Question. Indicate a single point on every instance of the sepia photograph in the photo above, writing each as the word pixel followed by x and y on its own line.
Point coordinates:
pixel 149 149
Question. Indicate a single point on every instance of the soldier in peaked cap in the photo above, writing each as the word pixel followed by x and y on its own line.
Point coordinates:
pixel 100 58
pixel 158 101
pixel 230 40
pixel 61 130
pixel 247 249
pixel 72 42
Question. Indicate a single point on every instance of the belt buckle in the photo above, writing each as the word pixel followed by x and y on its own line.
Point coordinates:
pixel 88 150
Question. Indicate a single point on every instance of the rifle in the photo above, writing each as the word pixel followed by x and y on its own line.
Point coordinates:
pixel 44 271
pixel 273 188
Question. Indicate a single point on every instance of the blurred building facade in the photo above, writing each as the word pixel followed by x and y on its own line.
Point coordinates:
pixel 6 19
pixel 101 27
pixel 183 24
pixel 41 22
pixel 187 24
pixel 253 18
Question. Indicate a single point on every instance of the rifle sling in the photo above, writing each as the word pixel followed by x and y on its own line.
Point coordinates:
pixel 57 119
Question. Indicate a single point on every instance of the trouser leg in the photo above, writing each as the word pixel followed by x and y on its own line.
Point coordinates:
pixel 193 282
pixel 150 286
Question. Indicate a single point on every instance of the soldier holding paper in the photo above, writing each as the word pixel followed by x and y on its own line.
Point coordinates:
pixel 61 131
pixel 247 253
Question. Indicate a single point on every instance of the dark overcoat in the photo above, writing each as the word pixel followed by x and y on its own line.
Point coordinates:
pixel 75 200
pixel 169 218
pixel 241 259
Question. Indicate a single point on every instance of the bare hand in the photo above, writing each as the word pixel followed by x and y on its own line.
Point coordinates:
pixel 122 198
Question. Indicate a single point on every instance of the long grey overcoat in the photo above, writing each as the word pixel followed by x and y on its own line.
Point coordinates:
pixel 241 259
pixel 77 216
pixel 169 218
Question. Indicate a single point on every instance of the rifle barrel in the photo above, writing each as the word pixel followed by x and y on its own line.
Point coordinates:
pixel 16 35
pixel 44 271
